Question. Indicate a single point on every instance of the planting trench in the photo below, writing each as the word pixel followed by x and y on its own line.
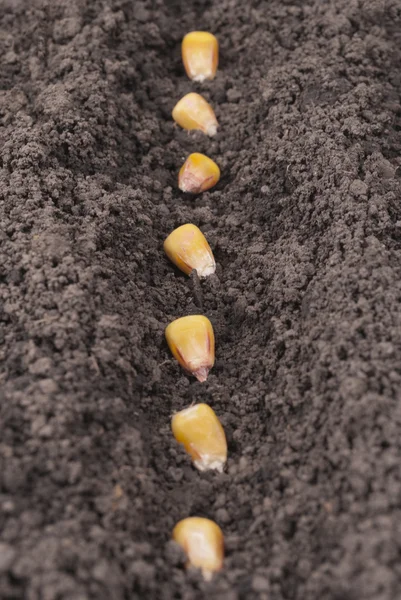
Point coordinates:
pixel 305 227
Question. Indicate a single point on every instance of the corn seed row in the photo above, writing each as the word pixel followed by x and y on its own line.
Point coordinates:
pixel 191 338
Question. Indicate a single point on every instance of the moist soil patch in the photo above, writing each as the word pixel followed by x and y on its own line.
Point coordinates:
pixel 305 225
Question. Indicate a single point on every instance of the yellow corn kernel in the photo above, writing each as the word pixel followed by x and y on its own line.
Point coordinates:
pixel 193 112
pixel 188 249
pixel 191 341
pixel 202 435
pixel 200 54
pixel 203 542
pixel 198 174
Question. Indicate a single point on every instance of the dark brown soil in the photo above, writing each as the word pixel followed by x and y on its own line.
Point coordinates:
pixel 306 228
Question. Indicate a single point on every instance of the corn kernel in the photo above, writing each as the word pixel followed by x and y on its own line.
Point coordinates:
pixel 193 112
pixel 203 437
pixel 191 341
pixel 198 174
pixel 200 54
pixel 203 542
pixel 188 249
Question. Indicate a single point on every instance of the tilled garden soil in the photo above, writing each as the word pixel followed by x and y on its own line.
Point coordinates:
pixel 305 225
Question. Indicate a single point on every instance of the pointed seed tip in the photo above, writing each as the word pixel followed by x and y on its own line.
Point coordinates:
pixel 207 575
pixel 206 271
pixel 202 374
